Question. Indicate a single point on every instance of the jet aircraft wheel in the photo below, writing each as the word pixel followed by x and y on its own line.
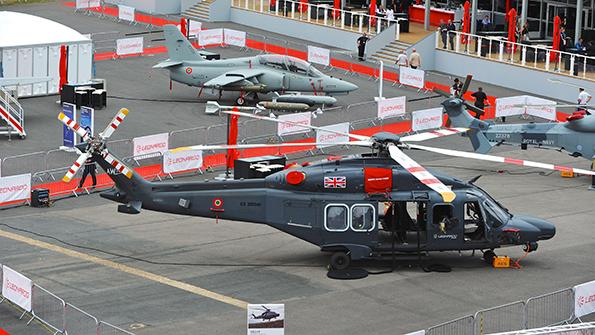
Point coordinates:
pixel 489 256
pixel 340 261
pixel 241 101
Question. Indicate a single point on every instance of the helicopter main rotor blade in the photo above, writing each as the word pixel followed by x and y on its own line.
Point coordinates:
pixel 499 159
pixel 75 167
pixel 465 85
pixel 116 121
pixel 421 173
pixel 260 117
pixel 262 145
pixel 80 131
pixel 433 134
pixel 117 164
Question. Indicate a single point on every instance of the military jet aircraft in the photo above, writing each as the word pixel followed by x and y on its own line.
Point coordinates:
pixel 336 204
pixel 249 76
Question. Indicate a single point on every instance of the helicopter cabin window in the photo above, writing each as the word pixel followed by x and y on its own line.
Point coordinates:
pixel 443 217
pixel 363 218
pixel 336 217
pixel 474 222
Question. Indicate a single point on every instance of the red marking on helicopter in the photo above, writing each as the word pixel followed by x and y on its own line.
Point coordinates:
pixel 513 161
pixel 217 203
pixel 378 180
pixel 295 177
pixel 562 168
pixel 189 70
pixel 416 169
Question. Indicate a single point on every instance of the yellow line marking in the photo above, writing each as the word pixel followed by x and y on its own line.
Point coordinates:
pixel 127 269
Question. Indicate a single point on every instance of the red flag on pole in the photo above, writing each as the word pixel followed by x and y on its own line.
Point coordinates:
pixel 556 41
pixel 506 10
pixel 512 28
pixel 232 139
pixel 303 6
pixel 63 66
pixel 184 27
pixel 336 9
pixel 373 12
pixel 466 21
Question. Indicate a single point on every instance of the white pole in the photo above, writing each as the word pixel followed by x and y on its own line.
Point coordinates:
pixel 381 75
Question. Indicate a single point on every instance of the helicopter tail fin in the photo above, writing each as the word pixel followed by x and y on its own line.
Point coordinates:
pixel 178 46
pixel 459 117
pixel 131 189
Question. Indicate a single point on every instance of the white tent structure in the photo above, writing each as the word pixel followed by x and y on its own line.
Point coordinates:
pixel 30 47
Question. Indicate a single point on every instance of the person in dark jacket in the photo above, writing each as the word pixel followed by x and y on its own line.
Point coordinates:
pixel 443 33
pixel 451 34
pixel 480 101
pixel 90 169
pixel 361 46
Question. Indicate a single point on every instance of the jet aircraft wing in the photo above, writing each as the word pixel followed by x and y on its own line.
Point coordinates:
pixel 232 77
pixel 167 63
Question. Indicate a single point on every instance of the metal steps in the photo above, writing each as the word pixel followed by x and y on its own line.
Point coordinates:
pixel 200 11
pixel 12 115
pixel 390 53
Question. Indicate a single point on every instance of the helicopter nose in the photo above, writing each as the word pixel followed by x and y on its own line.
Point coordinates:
pixel 542 229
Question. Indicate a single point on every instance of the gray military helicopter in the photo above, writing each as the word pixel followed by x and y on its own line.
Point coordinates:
pixel 575 136
pixel 249 76
pixel 267 315
pixel 339 205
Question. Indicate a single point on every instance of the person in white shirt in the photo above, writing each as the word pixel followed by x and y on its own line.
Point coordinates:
pixel 583 99
pixel 390 16
pixel 402 59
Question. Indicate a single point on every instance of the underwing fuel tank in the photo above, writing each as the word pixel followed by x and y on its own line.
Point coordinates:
pixel 310 100
pixel 288 106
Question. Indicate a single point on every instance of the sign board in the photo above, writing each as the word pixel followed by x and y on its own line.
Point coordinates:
pixel 68 135
pixel 15 188
pixel 546 110
pixel 506 106
pixel 182 161
pixel 129 46
pixel 87 119
pixel 266 319
pixel 17 288
pixel 412 77
pixel 319 55
pixel 194 27
pixel 293 123
pixel 392 107
pixel 210 37
pixel 426 119
pixel 80 4
pixel 150 146
pixel 330 138
pixel 584 299
pixel 235 37
pixel 126 13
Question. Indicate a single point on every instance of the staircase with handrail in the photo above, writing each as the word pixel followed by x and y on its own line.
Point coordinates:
pixel 12 115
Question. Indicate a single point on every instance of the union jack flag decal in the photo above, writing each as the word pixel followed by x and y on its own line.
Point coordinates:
pixel 335 182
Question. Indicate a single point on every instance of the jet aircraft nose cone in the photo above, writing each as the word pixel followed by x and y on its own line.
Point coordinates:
pixel 350 87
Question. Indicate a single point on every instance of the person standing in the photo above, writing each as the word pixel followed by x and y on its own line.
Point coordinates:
pixel 402 60
pixel 390 16
pixel 480 101
pixel 89 169
pixel 580 47
pixel 486 24
pixel 414 59
pixel 563 40
pixel 361 46
pixel 451 34
pixel 456 87
pixel 443 32
pixel 583 99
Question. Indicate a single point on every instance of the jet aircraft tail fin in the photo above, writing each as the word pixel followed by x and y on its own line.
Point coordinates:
pixel 459 117
pixel 178 46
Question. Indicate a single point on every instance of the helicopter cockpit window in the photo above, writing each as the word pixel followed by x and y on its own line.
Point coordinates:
pixel 363 218
pixel 336 217
pixel 297 65
pixel 274 61
pixel 474 222
pixel 495 215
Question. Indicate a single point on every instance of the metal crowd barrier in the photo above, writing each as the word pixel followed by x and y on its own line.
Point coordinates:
pixel 460 326
pixel 549 309
pixel 499 319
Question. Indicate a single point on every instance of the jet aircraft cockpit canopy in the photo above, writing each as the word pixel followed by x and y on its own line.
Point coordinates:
pixel 288 63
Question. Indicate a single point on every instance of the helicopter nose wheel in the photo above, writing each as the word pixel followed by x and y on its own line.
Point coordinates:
pixel 340 261
pixel 488 256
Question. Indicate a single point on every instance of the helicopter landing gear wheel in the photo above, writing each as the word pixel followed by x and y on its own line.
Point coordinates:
pixel 340 261
pixel 241 101
pixel 488 256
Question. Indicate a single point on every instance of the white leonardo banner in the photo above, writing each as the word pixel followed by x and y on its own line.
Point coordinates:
pixel 412 77
pixel 15 188
pixel 182 161
pixel 235 37
pixel 210 37
pixel 584 299
pixel 426 119
pixel 510 106
pixel 294 122
pixel 129 46
pixel 392 107
pixel 319 55
pixel 330 138
pixel 126 13
pixel 194 27
pixel 150 146
pixel 16 288
pixel 80 4
pixel 545 110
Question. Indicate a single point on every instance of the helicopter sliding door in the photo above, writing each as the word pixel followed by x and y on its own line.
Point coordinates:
pixel 445 229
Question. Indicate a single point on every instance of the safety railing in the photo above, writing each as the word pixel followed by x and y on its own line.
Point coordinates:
pixel 547 310
pixel 12 113
pixel 62 317
pixel 499 49
pixel 323 14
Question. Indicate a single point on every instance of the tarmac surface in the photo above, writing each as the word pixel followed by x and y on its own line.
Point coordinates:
pixel 156 273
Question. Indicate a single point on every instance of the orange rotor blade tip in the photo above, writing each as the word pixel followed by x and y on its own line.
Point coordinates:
pixel 448 196
pixel 124 111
